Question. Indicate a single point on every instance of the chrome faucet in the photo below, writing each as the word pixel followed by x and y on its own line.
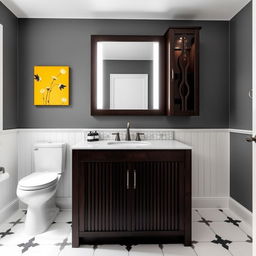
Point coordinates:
pixel 128 135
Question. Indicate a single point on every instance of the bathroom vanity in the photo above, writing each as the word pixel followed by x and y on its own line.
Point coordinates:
pixel 131 192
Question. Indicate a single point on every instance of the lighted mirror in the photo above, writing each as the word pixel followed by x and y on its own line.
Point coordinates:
pixel 1 76
pixel 127 75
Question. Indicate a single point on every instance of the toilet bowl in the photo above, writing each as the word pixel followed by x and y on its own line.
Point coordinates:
pixel 38 189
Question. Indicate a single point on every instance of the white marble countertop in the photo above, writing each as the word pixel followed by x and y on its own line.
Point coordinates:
pixel 133 145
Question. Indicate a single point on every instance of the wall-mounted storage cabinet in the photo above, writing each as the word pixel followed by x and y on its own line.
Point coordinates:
pixel 182 69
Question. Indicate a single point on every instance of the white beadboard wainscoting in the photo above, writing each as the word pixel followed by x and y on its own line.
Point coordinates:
pixel 8 181
pixel 210 158
pixel 210 165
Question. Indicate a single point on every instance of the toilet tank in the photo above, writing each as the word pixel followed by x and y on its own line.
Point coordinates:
pixel 49 157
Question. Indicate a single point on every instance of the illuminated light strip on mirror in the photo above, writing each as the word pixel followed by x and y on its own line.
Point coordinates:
pixel 1 77
pixel 99 75
pixel 155 75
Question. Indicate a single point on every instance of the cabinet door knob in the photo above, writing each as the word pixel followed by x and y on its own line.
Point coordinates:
pixel 127 179
pixel 172 74
pixel 251 139
pixel 2 170
pixel 134 179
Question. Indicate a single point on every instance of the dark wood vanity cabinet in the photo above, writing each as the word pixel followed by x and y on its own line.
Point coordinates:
pixel 182 69
pixel 131 196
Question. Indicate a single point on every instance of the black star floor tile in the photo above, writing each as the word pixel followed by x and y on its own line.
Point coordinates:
pixel 234 222
pixel 14 223
pixel 63 244
pixel 249 240
pixel 28 245
pixel 206 222
pixel 222 242
pixel 8 232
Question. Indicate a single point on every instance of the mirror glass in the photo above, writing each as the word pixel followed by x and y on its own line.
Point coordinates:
pixel 127 75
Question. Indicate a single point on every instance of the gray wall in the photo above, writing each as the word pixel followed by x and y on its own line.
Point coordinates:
pixel 241 170
pixel 10 26
pixel 241 106
pixel 67 42
pixel 241 69
pixel 127 67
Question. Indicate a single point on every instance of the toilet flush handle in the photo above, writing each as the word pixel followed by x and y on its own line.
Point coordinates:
pixel 2 170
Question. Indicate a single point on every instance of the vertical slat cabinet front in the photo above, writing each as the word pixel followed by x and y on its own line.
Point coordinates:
pixel 159 196
pixel 103 197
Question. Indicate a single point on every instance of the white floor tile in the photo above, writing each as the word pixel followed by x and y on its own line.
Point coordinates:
pixel 246 228
pixel 111 250
pixel 55 234
pixel 64 216
pixel 70 237
pixel 241 248
pixel 81 251
pixel 228 231
pixel 231 214
pixel 243 225
pixel 178 250
pixel 17 215
pixel 42 250
pixel 4 227
pixel 210 249
pixel 146 250
pixel 60 231
pixel 195 215
pixel 10 250
pixel 212 214
pixel 201 232
pixel 17 237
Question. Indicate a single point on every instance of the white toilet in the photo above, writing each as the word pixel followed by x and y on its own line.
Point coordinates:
pixel 38 189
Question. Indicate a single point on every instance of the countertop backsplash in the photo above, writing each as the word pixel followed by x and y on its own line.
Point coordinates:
pixel 149 134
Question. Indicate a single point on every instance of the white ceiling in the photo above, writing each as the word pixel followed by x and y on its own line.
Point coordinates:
pixel 127 9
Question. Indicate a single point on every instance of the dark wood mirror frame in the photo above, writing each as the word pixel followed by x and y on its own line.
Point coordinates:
pixel 121 38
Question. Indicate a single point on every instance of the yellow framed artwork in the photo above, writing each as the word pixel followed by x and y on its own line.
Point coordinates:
pixel 51 85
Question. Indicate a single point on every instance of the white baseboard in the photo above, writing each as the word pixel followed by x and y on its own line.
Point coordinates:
pixel 64 203
pixel 241 211
pixel 210 202
pixel 8 210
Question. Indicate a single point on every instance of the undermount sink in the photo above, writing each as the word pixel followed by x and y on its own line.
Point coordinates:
pixel 128 143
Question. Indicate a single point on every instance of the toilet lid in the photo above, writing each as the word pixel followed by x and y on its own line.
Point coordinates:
pixel 38 180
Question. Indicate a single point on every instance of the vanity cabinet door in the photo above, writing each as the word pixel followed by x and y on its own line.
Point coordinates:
pixel 158 196
pixel 104 197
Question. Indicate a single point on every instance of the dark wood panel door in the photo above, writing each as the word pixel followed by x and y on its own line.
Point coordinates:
pixel 182 71
pixel 158 196
pixel 104 198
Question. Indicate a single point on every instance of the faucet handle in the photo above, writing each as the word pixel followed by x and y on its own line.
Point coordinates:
pixel 138 136
pixel 117 137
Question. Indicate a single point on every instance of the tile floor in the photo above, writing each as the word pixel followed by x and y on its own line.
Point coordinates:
pixel 215 232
